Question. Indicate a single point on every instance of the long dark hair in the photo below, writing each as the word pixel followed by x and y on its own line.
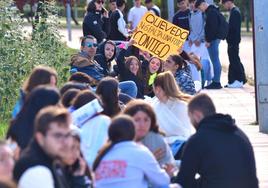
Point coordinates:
pixel 22 127
pixel 179 61
pixel 121 129
pixel 91 7
pixel 135 106
pixel 109 94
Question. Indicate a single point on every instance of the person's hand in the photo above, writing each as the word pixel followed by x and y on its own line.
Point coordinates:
pixel 207 44
pixel 131 42
pixel 82 167
pixel 170 169
pixel 159 154
pixel 197 43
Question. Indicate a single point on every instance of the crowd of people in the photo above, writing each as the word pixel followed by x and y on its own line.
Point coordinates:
pixel 126 118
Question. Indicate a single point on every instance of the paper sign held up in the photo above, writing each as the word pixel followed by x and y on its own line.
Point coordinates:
pixel 158 36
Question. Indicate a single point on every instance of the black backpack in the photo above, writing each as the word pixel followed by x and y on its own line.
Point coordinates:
pixel 223 27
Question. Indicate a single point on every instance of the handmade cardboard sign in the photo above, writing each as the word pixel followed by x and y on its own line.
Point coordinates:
pixel 158 36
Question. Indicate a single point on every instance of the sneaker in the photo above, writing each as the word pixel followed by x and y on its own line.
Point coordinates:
pixel 214 85
pixel 235 84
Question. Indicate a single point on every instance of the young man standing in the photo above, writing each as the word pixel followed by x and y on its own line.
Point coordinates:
pixel 212 39
pixel 112 7
pixel 118 24
pixel 219 151
pixel 135 14
pixel 51 138
pixel 236 73
pixel 181 19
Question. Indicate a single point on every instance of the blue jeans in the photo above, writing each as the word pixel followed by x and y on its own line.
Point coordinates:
pixel 129 88
pixel 213 51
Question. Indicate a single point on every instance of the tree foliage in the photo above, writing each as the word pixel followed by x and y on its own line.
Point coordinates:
pixel 20 52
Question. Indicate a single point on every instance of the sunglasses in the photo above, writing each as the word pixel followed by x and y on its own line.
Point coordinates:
pixel 91 44
pixel 100 2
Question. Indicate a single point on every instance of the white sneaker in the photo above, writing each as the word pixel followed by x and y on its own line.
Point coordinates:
pixel 235 84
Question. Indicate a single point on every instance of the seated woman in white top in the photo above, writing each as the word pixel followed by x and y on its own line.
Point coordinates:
pixel 94 131
pixel 171 110
pixel 124 163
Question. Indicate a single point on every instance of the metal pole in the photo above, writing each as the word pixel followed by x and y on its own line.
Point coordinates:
pixel 260 33
pixel 68 15
pixel 170 10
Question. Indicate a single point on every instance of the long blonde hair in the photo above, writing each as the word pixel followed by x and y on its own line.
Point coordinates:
pixel 167 82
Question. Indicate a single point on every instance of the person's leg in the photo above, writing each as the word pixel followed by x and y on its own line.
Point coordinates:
pixel 213 51
pixel 231 74
pixel 129 88
pixel 237 68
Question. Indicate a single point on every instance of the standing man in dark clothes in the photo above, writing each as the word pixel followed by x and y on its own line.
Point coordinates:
pixel 219 151
pixel 118 24
pixel 112 7
pixel 212 40
pixel 236 73
pixel 181 19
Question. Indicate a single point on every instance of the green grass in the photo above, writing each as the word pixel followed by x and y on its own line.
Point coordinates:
pixel 3 130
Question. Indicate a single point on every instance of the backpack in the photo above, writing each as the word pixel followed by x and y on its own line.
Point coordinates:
pixel 223 27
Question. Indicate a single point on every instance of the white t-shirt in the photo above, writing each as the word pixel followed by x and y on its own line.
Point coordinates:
pixel 135 14
pixel 37 176
pixel 94 134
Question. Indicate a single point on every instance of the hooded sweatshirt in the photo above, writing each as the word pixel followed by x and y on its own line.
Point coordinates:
pixel 102 61
pixel 221 154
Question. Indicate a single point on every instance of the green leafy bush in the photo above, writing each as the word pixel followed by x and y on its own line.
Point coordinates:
pixel 20 52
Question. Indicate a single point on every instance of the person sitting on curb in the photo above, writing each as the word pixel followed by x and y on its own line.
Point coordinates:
pixel 219 151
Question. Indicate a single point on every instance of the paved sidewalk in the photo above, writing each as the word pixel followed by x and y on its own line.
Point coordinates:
pixel 240 103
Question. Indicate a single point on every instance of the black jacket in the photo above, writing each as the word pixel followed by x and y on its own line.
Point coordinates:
pixel 221 154
pixel 234 33
pixel 126 74
pixel 102 61
pixel 212 23
pixel 95 25
pixel 115 34
pixel 34 156
pixel 181 19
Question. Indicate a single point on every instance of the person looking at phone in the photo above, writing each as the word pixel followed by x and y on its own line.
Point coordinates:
pixel 96 22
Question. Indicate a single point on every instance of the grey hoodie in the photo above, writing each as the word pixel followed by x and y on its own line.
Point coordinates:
pixel 197 24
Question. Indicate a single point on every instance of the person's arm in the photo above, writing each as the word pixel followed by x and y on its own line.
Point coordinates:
pixel 190 164
pixel 38 176
pixel 175 20
pixel 106 25
pixel 154 174
pixel 212 25
pixel 122 26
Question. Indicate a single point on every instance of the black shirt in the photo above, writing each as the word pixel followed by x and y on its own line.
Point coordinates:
pixel 234 33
